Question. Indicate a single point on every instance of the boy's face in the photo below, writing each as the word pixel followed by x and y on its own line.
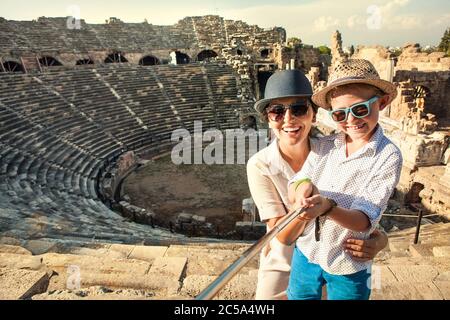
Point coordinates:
pixel 358 129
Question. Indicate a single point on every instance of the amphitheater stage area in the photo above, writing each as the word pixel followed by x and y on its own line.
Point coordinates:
pixel 211 193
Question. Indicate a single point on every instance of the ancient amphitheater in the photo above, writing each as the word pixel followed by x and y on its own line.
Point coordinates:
pixel 84 105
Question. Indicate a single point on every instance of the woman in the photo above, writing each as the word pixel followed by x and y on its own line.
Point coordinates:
pixel 288 109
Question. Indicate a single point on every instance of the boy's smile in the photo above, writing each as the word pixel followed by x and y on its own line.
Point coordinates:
pixel 358 129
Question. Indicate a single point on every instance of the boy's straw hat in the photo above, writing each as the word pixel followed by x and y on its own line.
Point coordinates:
pixel 353 71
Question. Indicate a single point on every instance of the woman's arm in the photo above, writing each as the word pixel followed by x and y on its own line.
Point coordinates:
pixel 365 250
pixel 292 231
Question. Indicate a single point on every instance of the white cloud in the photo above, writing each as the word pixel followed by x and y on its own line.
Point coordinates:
pixel 325 23
pixel 355 21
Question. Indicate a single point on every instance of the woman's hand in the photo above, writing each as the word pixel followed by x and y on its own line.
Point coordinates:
pixel 365 250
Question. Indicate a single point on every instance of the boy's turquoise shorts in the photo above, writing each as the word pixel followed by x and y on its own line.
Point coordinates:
pixel 306 281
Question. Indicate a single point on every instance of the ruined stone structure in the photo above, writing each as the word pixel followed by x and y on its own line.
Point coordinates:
pixel 336 47
pixel 79 101
pixel 62 132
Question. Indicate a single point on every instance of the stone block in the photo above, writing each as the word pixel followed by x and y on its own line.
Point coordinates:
pixel 10 241
pixel 444 288
pixel 147 253
pixel 40 246
pixel 20 261
pixel 443 251
pixel 6 248
pixel 414 273
pixel 21 284
pixel 398 245
pixel 184 217
pixel 198 219
pixel 168 266
pixel 123 248
pixel 407 291
pixel 87 264
pixel 420 250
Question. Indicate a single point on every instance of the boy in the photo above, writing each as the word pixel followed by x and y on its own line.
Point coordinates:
pixel 354 173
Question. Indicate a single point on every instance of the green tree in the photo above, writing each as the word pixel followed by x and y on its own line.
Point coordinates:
pixel 352 50
pixel 294 42
pixel 324 50
pixel 445 42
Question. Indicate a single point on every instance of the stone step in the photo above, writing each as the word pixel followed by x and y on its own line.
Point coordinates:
pixel 13 249
pixel 241 287
pixel 22 284
pixel 411 291
pixel 441 251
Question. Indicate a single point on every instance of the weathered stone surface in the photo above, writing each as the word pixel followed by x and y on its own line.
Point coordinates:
pixel 382 275
pixel 204 260
pixel 443 276
pixel 444 288
pixel 20 261
pixel 147 253
pixel 6 248
pixel 95 293
pixel 40 246
pixel 398 245
pixel 168 266
pixel 443 251
pixel 240 287
pixel 407 291
pixel 105 265
pixel 420 250
pixel 10 241
pixel 21 284
pixel 414 273
pixel 101 252
pixel 123 248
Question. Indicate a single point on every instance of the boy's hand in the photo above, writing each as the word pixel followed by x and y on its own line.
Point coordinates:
pixel 316 205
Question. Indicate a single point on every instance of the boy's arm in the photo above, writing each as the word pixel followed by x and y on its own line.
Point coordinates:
pixel 374 195
pixel 348 218
pixel 366 209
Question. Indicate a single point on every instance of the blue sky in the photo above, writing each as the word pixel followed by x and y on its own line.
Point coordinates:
pixel 385 22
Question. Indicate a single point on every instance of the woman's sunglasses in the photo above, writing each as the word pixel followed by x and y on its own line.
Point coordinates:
pixel 276 112
pixel 358 110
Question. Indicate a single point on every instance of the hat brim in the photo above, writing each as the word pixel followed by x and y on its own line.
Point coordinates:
pixel 260 105
pixel 320 97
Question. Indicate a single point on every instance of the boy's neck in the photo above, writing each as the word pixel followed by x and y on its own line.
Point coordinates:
pixel 353 145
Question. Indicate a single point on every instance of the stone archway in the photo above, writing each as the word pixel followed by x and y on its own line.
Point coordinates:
pixel 206 55
pixel 48 61
pixel 421 94
pixel 149 60
pixel 82 62
pixel 182 58
pixel 116 57
pixel 265 53
pixel 12 66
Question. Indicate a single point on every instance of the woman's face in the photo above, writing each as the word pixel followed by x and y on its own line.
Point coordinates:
pixel 290 129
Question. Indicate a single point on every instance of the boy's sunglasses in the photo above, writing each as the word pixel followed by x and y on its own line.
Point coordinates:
pixel 358 110
pixel 276 112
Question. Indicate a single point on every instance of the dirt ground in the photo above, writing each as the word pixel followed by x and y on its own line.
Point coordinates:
pixel 213 191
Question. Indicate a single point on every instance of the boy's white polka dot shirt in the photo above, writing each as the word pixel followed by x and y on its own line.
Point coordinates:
pixel 364 181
